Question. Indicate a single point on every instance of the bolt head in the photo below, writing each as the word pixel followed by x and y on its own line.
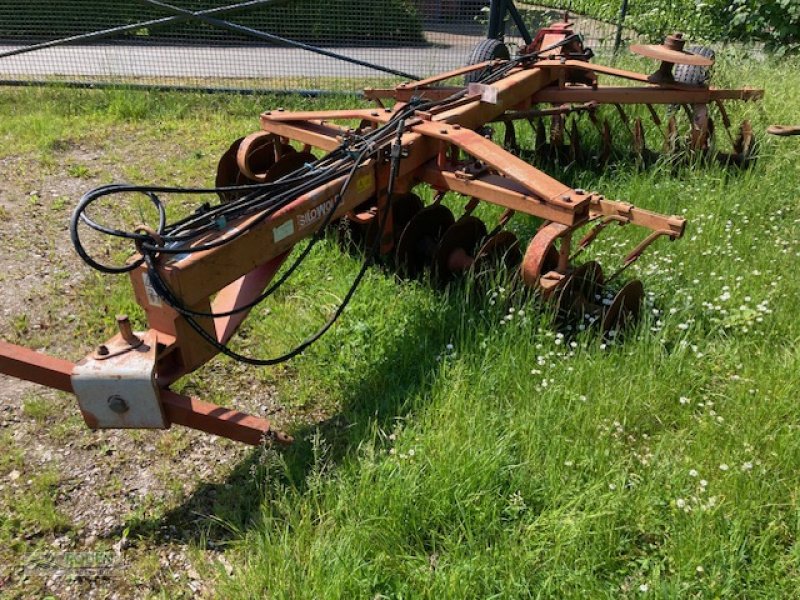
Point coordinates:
pixel 118 405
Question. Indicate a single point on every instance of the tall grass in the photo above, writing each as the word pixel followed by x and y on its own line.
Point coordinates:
pixel 476 453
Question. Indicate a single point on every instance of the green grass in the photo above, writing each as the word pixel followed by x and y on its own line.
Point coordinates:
pixel 470 451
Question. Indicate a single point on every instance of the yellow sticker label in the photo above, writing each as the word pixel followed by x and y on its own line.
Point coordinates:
pixel 366 182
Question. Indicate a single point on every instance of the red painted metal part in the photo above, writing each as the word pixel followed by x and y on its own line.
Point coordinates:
pixel 224 422
pixel 30 365
pixel 56 373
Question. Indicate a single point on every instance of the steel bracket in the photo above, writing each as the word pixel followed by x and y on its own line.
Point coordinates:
pixel 120 391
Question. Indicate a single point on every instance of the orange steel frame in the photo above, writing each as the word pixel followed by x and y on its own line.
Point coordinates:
pixel 235 273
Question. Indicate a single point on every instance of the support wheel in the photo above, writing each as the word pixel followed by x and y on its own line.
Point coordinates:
pixel 485 50
pixel 692 74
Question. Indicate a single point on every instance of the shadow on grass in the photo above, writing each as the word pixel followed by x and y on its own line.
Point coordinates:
pixel 218 512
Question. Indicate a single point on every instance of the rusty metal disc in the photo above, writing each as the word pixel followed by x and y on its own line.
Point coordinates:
pixel 418 242
pixel 666 54
pixel 458 247
pixel 624 309
pixel 577 294
pixel 501 248
pixel 354 228
pixel 404 208
pixel 364 220
pixel 228 172
pixel 289 163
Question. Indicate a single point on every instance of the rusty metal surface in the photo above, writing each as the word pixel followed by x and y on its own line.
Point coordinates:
pixel 458 246
pixel 670 55
pixel 541 255
pixel 23 363
pixel 624 308
pixel 784 130
pixel 232 424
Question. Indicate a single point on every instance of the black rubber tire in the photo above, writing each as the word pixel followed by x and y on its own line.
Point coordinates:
pixel 693 75
pixel 486 50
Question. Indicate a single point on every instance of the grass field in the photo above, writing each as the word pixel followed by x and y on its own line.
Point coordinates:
pixel 448 446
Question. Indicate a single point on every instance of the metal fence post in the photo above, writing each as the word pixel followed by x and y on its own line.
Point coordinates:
pixel 623 10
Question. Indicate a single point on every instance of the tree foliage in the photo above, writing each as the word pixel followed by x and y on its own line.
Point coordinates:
pixel 776 23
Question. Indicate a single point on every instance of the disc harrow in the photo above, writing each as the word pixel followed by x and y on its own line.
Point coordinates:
pixel 356 172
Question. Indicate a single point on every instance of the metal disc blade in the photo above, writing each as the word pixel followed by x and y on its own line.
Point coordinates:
pixel 458 247
pixel 404 208
pixel 419 239
pixel 541 255
pixel 256 154
pixel 579 290
pixel 500 249
pixel 624 309
pixel 663 53
pixel 289 163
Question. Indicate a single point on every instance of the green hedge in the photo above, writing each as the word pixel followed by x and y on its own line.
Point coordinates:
pixel 356 22
pixel 774 22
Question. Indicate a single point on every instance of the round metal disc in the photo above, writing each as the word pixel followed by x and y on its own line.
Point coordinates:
pixel 256 154
pixel 577 293
pixel 678 57
pixel 228 171
pixel 624 309
pixel 502 246
pixel 466 235
pixel 419 239
pixel 289 163
pixel 353 233
pixel 404 208
pixel 362 234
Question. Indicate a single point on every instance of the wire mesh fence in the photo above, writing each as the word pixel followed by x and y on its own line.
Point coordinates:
pixel 286 45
